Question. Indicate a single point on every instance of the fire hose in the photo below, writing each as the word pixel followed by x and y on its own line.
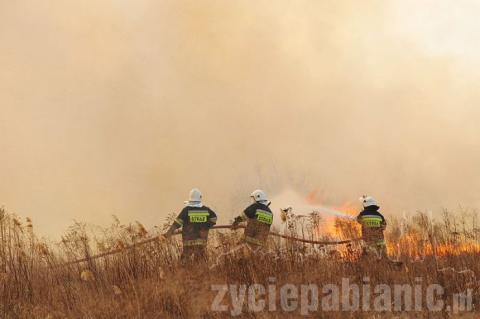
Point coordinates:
pixel 154 239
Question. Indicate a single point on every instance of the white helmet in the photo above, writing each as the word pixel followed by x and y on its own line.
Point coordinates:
pixel 195 196
pixel 259 196
pixel 368 201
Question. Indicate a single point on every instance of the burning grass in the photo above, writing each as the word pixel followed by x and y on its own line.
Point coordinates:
pixel 148 281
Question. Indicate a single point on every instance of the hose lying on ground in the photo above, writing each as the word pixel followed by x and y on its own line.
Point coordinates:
pixel 151 240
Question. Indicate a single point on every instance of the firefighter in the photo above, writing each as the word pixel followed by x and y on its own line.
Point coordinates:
pixel 259 219
pixel 195 220
pixel 373 225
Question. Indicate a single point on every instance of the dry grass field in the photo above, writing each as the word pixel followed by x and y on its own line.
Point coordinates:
pixel 149 281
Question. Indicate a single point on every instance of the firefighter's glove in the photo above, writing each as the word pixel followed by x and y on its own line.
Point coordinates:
pixel 236 222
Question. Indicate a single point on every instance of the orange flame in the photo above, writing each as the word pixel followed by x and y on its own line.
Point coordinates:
pixel 414 247
pixel 316 197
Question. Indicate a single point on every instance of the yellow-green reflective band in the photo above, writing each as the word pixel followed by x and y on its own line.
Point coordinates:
pixel 195 242
pixel 370 217
pixel 373 224
pixel 179 221
pixel 372 221
pixel 213 219
pixel 253 241
pixel 264 216
pixel 198 216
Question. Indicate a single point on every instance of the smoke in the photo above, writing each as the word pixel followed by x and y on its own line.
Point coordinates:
pixel 120 107
pixel 300 205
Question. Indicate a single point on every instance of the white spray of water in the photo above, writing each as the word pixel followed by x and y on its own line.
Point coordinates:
pixel 332 212
pixel 300 206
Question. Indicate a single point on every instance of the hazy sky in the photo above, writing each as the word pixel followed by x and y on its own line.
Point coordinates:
pixel 120 107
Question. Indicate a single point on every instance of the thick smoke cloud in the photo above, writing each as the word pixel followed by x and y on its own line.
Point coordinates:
pixel 120 107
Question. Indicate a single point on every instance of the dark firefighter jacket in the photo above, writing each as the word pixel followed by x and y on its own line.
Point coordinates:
pixel 373 224
pixel 195 223
pixel 259 219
